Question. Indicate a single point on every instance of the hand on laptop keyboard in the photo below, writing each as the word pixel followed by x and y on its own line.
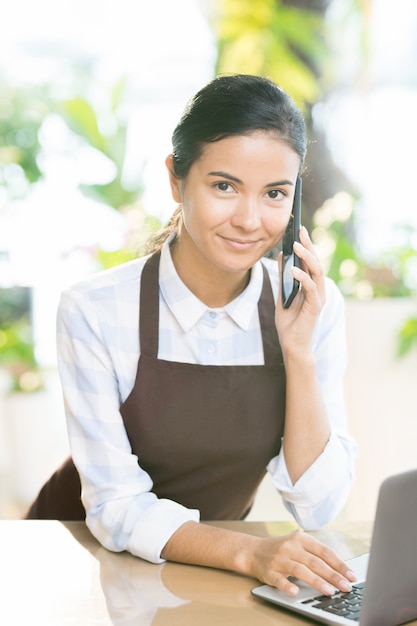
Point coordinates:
pixel 277 561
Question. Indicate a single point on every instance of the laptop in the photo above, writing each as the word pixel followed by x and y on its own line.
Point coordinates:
pixel 385 593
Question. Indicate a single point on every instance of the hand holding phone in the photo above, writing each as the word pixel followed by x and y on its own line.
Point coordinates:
pixel 289 285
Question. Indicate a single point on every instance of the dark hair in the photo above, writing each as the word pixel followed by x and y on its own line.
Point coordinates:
pixel 235 105
pixel 232 105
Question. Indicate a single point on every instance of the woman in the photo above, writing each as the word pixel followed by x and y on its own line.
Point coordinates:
pixel 180 417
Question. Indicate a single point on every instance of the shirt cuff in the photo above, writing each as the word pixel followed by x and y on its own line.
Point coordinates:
pixel 321 491
pixel 156 527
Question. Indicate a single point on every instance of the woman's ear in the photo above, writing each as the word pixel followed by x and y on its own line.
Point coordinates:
pixel 173 180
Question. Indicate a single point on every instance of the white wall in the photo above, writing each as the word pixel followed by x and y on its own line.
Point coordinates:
pixel 381 397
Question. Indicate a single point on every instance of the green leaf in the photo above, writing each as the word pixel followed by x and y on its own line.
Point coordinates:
pixel 82 119
pixel 117 93
pixel 407 336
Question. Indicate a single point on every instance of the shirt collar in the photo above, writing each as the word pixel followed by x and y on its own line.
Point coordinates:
pixel 188 309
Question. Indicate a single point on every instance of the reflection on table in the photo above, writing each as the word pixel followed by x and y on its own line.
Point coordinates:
pixel 55 573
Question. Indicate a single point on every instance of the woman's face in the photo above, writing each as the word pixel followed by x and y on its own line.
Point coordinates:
pixel 236 200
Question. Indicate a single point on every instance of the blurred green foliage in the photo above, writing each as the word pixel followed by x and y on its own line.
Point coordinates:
pixel 333 232
pixel 24 109
pixel 23 112
pixel 82 119
pixel 392 274
pixel 272 38
pixel 17 354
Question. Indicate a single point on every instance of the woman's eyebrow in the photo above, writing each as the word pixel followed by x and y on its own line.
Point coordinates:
pixel 226 175
pixel 276 183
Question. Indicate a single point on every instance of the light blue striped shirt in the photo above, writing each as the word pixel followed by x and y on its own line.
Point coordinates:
pixel 98 352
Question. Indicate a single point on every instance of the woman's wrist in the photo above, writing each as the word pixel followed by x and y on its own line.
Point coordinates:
pixel 301 359
pixel 245 556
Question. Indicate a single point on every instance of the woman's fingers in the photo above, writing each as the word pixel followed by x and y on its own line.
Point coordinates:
pixel 310 274
pixel 310 262
pixel 296 324
pixel 321 576
pixel 300 556
pixel 283 583
pixel 306 241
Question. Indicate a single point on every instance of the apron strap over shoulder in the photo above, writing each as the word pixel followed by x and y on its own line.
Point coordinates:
pixel 148 329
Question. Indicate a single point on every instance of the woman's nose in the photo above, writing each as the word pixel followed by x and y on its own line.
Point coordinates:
pixel 246 214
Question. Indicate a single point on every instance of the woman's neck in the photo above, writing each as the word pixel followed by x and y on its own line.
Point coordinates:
pixel 213 286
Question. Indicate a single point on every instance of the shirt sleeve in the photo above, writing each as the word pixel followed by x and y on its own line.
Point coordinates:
pixel 121 510
pixel 321 492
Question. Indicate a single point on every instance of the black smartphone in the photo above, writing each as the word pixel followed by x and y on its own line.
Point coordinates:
pixel 289 285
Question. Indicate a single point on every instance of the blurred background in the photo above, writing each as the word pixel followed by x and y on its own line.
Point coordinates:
pixel 90 93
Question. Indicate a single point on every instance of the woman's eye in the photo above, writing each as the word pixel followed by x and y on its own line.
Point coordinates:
pixel 223 186
pixel 275 194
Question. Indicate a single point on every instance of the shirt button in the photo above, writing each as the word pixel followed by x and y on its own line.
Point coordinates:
pixel 213 315
pixel 211 349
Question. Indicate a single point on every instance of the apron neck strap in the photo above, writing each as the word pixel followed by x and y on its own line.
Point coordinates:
pixel 266 310
pixel 149 306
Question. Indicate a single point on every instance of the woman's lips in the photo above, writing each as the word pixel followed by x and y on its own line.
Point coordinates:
pixel 240 244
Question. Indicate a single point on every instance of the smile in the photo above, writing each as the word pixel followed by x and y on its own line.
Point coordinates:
pixel 240 244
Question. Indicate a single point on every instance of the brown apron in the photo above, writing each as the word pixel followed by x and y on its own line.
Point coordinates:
pixel 204 433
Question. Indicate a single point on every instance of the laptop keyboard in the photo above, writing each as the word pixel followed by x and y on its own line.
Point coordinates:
pixel 345 604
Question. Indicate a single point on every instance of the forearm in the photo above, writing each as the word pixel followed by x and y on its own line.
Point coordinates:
pixel 307 428
pixel 271 560
pixel 201 544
